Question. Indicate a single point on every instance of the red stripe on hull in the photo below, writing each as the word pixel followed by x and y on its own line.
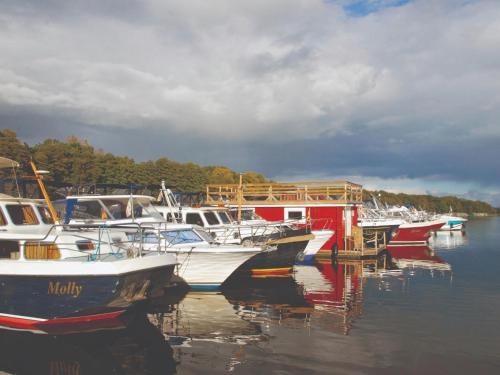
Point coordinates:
pixel 65 325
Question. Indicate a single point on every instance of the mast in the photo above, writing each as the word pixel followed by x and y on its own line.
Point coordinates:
pixel 38 177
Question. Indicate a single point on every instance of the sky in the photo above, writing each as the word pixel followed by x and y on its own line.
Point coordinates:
pixel 398 95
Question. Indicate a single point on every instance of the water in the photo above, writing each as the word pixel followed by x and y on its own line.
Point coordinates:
pixel 438 314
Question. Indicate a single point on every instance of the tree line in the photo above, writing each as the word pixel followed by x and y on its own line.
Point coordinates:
pixel 75 162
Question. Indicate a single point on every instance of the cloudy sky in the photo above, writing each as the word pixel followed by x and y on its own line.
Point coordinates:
pixel 396 94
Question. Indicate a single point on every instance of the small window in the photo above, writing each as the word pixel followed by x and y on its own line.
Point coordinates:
pixel 194 218
pixel 9 249
pixel 2 219
pixel 295 214
pixel 211 218
pixel 45 214
pixel 22 214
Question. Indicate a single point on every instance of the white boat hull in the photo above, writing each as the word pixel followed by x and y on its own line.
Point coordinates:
pixel 209 269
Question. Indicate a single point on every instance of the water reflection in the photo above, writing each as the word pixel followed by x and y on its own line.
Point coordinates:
pixel 417 257
pixel 138 349
pixel 335 289
pixel 215 332
pixel 448 240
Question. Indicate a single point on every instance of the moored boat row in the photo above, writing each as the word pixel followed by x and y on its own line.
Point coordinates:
pixel 109 253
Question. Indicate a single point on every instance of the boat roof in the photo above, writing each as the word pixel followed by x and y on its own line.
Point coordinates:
pixel 9 198
pixel 120 196
pixel 204 208
pixel 8 163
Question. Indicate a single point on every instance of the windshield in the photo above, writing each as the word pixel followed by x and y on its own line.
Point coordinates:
pixel 224 217
pixel 205 235
pixel 175 237
pixel 126 208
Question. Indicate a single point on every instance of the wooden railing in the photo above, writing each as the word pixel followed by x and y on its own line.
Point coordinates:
pixel 285 193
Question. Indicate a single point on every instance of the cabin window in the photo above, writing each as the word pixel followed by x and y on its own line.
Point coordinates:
pixel 45 214
pixel 211 218
pixel 2 219
pixel 175 237
pixel 41 251
pixel 9 250
pixel 194 218
pixel 22 214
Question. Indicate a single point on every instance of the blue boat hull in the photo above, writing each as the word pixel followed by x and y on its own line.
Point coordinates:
pixel 34 301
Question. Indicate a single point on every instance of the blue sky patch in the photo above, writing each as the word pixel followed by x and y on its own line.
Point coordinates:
pixel 360 8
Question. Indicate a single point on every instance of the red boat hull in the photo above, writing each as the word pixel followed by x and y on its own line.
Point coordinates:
pixel 414 233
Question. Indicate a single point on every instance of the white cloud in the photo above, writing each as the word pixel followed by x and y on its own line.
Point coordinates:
pixel 238 70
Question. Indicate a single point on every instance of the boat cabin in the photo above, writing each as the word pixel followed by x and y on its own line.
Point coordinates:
pixel 19 215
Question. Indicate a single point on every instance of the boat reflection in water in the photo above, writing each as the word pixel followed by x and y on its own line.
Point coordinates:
pixel 417 258
pixel 448 240
pixel 138 349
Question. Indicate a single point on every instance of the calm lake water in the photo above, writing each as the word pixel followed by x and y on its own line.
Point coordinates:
pixel 422 312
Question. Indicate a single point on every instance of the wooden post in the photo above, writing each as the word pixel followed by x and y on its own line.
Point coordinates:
pixel 44 192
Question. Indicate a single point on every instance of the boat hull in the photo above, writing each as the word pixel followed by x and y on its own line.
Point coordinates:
pixel 277 261
pixel 208 270
pixel 414 233
pixel 315 245
pixel 43 302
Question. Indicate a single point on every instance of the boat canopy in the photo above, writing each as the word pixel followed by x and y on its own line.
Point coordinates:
pixel 8 163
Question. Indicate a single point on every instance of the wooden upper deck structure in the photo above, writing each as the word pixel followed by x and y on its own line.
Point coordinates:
pixel 286 193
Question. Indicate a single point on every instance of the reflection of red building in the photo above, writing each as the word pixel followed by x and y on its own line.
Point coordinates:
pixel 345 284
pixel 335 290
pixel 417 256
pixel 323 205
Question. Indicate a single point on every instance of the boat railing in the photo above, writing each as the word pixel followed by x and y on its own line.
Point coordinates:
pixel 328 192
pixel 94 241
pixel 248 234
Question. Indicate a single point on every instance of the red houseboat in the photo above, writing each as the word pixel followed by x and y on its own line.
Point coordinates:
pixel 331 205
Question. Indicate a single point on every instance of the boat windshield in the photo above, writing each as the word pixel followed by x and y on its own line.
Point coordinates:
pixel 205 235
pixel 115 208
pixel 224 217
pixel 126 208
pixel 181 236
